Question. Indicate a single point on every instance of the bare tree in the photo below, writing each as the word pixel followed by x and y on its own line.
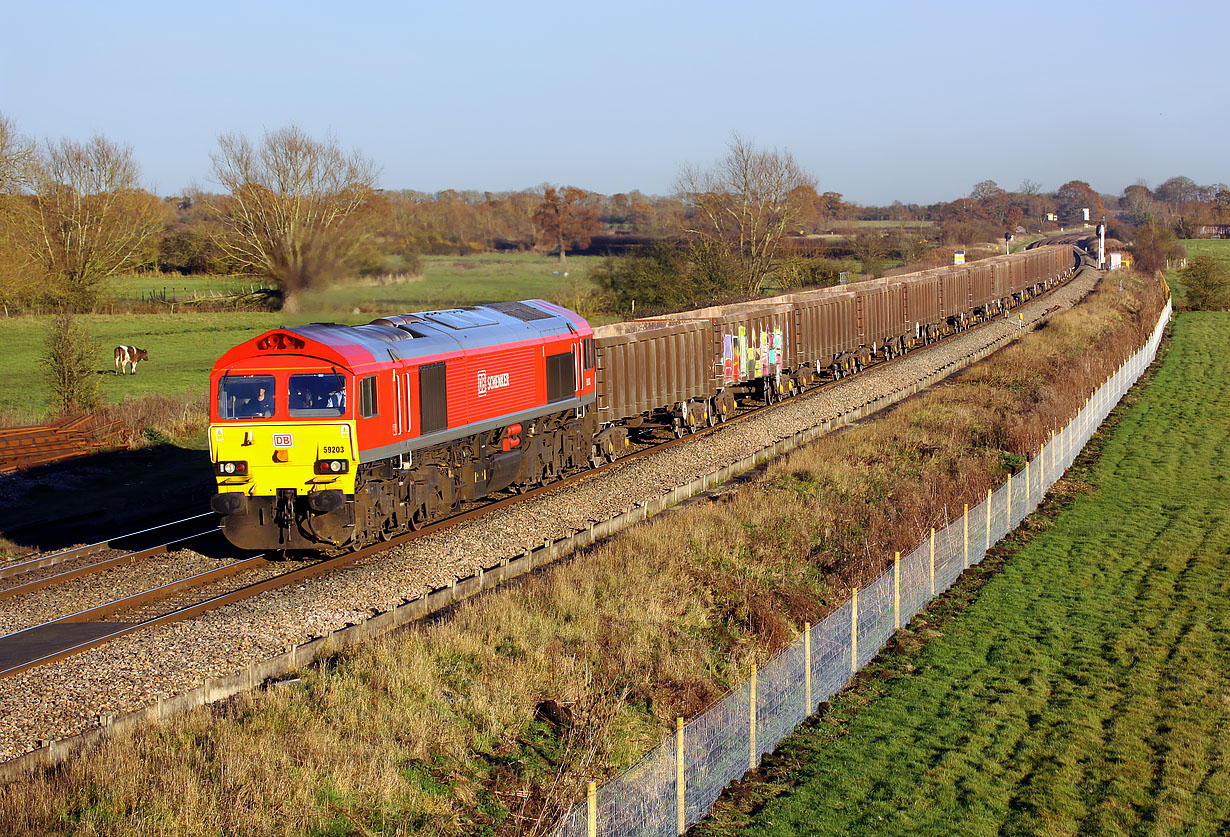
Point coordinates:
pixel 292 215
pixel 745 203
pixel 16 158
pixel 89 219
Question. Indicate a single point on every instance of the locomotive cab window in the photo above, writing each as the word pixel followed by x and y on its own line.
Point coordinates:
pixel 246 397
pixel 561 377
pixel 367 397
pixel 317 396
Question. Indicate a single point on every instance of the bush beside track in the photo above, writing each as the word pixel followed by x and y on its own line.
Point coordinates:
pixel 452 729
pixel 1084 688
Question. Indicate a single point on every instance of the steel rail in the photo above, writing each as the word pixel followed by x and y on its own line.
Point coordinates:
pixel 96 567
pixel 69 554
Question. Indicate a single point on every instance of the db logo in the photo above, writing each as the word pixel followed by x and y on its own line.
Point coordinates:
pixel 282 440
pixel 486 382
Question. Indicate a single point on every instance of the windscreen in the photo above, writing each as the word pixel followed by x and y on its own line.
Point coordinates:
pixel 317 396
pixel 246 397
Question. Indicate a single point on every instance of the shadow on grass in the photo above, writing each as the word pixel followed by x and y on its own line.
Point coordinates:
pixel 93 498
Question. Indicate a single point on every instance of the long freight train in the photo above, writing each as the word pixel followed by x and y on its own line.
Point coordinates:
pixel 329 435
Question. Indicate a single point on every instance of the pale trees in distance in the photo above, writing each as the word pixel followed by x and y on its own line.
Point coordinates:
pixel 743 205
pixel 292 213
pixel 89 218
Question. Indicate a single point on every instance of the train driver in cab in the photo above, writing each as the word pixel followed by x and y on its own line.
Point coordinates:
pixel 261 406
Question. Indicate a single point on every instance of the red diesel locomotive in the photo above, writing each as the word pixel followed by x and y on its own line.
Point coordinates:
pixel 334 435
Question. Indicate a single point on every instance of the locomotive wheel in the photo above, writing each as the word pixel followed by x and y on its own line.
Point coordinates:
pixel 417 518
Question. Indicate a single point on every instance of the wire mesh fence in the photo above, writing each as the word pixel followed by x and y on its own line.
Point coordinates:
pixel 674 786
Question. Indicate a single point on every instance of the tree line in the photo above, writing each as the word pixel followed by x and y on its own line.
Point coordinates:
pixel 297 212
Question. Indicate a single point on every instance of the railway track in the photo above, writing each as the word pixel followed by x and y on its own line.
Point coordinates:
pixel 57 639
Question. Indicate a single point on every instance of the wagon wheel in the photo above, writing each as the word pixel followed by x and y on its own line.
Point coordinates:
pixel 417 518
pixel 721 414
pixel 611 455
pixel 595 456
pixel 711 416
pixel 677 428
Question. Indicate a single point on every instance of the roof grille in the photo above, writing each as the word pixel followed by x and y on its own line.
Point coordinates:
pixel 520 310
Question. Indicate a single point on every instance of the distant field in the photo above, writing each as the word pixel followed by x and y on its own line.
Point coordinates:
pixel 867 225
pixel 180 288
pixel 454 281
pixel 1084 691
pixel 1219 248
pixel 184 346
pixel 182 349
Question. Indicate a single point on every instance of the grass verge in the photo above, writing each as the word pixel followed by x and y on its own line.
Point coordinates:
pixel 1079 688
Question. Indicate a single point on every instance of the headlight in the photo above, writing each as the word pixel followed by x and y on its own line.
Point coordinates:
pixel 233 469
pixel 332 466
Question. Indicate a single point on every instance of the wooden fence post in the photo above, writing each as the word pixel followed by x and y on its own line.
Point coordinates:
pixel 680 790
pixel 988 548
pixel 897 591
pixel 854 632
pixel 1009 500
pixel 751 750
pixel 591 801
pixel 933 562
pixel 965 527
pixel 807 665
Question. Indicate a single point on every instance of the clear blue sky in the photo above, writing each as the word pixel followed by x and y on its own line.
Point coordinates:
pixel 914 101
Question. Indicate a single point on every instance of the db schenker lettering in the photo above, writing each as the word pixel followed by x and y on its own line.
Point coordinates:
pixel 486 382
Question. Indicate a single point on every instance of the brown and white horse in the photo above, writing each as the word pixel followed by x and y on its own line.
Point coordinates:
pixel 127 356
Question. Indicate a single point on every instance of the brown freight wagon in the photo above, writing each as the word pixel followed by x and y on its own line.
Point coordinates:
pixel 954 294
pixel 922 304
pixel 648 366
pixel 826 326
pixel 750 340
pixel 881 313
pixel 982 287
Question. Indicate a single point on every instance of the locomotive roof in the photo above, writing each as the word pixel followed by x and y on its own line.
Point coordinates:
pixel 427 333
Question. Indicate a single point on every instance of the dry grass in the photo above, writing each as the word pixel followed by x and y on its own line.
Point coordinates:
pixel 441 730
pixel 159 419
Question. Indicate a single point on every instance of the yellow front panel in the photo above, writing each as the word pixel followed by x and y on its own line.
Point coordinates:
pixel 300 445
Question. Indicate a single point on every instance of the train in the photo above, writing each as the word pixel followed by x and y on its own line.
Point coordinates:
pixel 329 436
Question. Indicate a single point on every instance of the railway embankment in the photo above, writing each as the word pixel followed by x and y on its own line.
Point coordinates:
pixel 483 721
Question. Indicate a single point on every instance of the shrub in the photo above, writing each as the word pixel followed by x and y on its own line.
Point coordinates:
pixel 68 360
pixel 1207 282
pixel 1153 246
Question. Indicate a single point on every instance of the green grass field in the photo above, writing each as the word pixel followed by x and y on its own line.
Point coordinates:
pixel 1084 691
pixel 172 286
pixel 184 346
pixel 454 281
